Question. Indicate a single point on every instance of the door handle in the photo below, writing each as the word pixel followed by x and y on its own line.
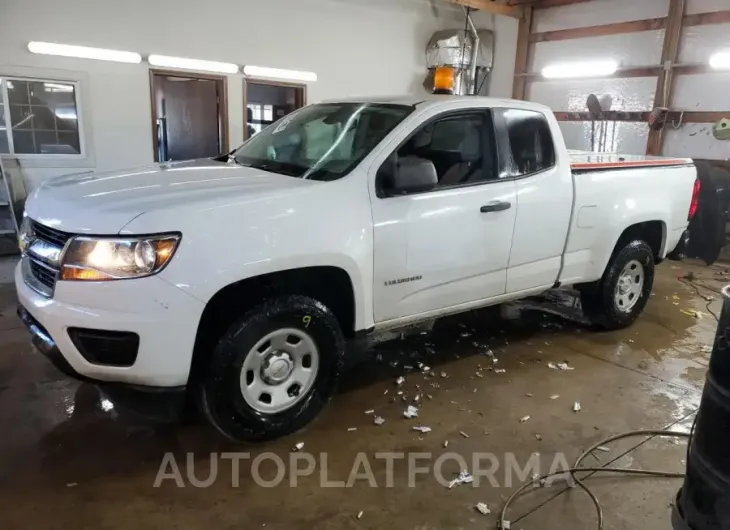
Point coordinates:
pixel 498 206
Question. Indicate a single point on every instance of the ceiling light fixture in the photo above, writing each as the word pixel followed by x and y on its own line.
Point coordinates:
pixel 84 52
pixel 192 64
pixel 721 60
pixel 279 73
pixel 600 68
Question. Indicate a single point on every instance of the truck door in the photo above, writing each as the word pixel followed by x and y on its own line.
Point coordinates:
pixel 544 197
pixel 448 244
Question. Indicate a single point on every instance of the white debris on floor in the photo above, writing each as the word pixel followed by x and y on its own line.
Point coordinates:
pixel 371 411
pixel 400 380
pixel 576 406
pixel 524 419
pixel 359 514
pixel 554 396
pixel 560 366
pixel 422 428
pixel 299 446
pixel 378 420
pixel 483 508
pixel 352 429
pixel 410 412
pixel 464 478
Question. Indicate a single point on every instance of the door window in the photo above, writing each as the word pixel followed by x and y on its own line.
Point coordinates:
pixel 460 147
pixel 531 141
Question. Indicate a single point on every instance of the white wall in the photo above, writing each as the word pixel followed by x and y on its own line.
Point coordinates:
pixel 702 92
pixel 356 47
pixel 706 92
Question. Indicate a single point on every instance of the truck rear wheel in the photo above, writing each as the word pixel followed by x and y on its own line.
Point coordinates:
pixel 619 297
pixel 274 369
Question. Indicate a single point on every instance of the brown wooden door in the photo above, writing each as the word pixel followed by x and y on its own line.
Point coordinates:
pixel 188 117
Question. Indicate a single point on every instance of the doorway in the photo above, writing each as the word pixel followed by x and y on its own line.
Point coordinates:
pixel 268 101
pixel 188 115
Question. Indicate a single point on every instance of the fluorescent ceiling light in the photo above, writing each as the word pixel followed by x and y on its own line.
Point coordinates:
pixel 55 87
pixel 582 69
pixel 279 73
pixel 83 52
pixel 721 60
pixel 192 64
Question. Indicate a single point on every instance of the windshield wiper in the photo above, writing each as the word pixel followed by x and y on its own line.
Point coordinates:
pixel 232 159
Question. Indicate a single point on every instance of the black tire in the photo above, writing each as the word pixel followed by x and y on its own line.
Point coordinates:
pixel 598 300
pixel 219 389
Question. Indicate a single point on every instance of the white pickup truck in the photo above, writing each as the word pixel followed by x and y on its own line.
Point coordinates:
pixel 239 279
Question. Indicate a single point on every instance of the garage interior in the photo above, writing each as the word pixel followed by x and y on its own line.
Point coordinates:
pixel 621 76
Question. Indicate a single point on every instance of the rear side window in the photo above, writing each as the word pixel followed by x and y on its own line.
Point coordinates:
pixel 531 141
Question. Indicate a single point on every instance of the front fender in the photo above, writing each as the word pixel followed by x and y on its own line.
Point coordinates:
pixel 327 224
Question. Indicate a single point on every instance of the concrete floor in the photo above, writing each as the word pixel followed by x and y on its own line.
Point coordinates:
pixel 67 458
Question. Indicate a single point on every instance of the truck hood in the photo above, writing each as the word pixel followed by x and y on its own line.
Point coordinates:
pixel 103 203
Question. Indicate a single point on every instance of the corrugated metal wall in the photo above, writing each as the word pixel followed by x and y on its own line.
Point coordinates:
pixel 696 92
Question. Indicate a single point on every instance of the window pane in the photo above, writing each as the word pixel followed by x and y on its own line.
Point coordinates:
pixel 530 139
pixel 457 148
pixel 4 148
pixel 44 117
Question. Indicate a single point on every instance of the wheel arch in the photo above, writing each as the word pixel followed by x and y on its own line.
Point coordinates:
pixel 331 285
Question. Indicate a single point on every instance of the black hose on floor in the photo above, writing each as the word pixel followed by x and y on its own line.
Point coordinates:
pixel 577 469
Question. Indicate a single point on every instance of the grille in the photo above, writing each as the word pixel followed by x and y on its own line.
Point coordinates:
pixel 50 235
pixel 43 273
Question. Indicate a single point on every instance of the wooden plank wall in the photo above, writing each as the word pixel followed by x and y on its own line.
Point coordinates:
pixel 666 72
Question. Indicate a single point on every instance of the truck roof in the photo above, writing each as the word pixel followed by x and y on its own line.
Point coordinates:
pixel 434 100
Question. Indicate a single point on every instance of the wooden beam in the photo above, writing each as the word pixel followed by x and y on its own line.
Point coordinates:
pixel 665 81
pixel 674 116
pixel 602 30
pixel 490 6
pixel 522 57
pixel 602 116
pixel 557 3
pixel 706 19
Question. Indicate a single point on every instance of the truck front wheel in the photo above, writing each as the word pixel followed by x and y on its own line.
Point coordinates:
pixel 619 297
pixel 274 369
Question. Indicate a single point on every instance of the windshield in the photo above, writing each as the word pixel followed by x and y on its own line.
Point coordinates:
pixel 321 142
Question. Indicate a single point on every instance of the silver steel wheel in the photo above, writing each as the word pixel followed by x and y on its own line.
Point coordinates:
pixel 629 286
pixel 279 370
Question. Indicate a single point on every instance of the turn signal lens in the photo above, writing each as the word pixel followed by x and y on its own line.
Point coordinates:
pixel 443 80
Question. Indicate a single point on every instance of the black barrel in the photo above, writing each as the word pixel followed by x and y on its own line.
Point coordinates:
pixel 704 500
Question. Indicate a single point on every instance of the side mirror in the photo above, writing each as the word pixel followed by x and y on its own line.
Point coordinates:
pixel 414 174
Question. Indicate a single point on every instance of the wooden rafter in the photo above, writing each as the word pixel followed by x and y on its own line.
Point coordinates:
pixel 599 31
pixel 665 80
pixel 491 6
pixel 619 28
pixel 544 4
pixel 522 56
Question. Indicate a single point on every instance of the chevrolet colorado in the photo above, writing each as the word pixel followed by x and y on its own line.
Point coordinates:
pixel 239 279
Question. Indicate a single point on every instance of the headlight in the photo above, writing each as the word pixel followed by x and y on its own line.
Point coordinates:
pixel 91 258
pixel 25 234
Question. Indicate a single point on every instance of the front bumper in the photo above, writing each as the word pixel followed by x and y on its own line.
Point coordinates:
pixel 163 316
pixel 159 403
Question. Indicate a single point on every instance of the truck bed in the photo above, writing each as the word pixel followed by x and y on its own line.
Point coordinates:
pixel 581 161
